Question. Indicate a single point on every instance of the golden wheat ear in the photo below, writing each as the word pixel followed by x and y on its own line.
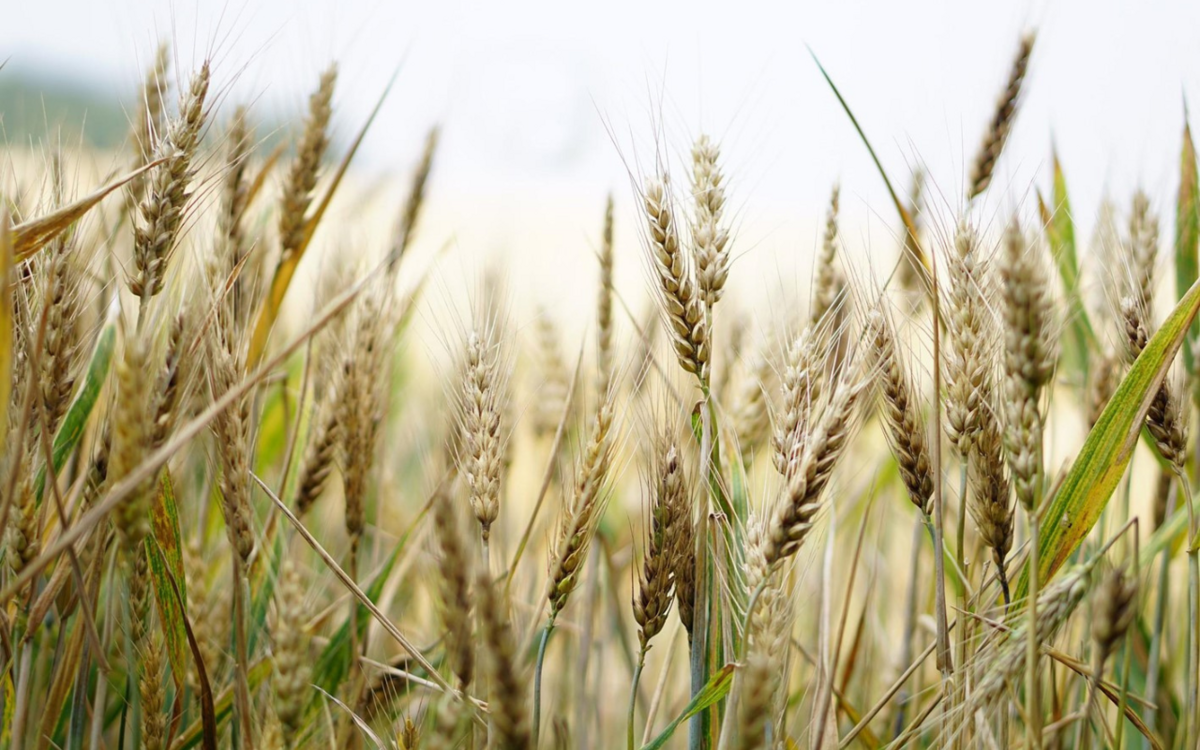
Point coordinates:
pixel 1002 120
pixel 679 299
pixel 807 473
pixel 456 606
pixel 904 425
pixel 160 213
pixel 293 665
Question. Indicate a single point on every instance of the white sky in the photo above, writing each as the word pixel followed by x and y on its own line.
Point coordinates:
pixel 528 92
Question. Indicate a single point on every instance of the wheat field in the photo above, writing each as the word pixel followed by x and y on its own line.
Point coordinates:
pixel 944 498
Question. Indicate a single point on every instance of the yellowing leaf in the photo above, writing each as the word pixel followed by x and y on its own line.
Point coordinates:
pixel 287 268
pixel 30 236
pixel 166 559
pixel 1109 446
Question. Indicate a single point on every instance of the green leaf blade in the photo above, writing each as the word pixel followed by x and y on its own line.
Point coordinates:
pixel 76 418
pixel 714 691
pixel 1059 226
pixel 1187 234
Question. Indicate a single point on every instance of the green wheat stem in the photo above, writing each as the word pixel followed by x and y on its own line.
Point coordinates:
pixel 537 679
pixel 633 691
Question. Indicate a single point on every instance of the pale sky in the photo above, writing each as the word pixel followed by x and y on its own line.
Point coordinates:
pixel 546 104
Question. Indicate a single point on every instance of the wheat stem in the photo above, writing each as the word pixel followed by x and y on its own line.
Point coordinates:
pixel 1033 703
pixel 633 693
pixel 537 679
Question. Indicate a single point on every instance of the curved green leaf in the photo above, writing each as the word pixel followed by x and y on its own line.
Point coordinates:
pixel 716 690
pixel 1187 232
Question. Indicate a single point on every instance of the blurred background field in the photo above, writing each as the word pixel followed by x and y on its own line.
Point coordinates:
pixel 545 109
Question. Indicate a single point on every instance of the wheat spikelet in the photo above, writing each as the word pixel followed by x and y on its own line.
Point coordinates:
pixel 748 407
pixel 1142 251
pixel 145 658
pixel 167 193
pixel 808 474
pixel 302 176
pixel 509 717
pixel 292 662
pixel 554 377
pixel 410 735
pixel 767 644
pixel 801 388
pixel 152 692
pixel 23 537
pixel 455 589
pixel 1004 662
pixel 231 427
pixel 1113 613
pixel 415 200
pixel 904 426
pixel 130 436
pixel 968 358
pixel 678 297
pixel 669 510
pixel 229 257
pixel 149 123
pixel 63 274
pixel 683 557
pixel 828 286
pixel 200 606
pixel 170 385
pixel 480 413
pixel 583 510
pixel 710 239
pixel 1166 421
pixel 912 266
pixel 989 503
pixel 1030 353
pixel 321 449
pixel 604 317
pixel 1002 120
pixel 363 378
